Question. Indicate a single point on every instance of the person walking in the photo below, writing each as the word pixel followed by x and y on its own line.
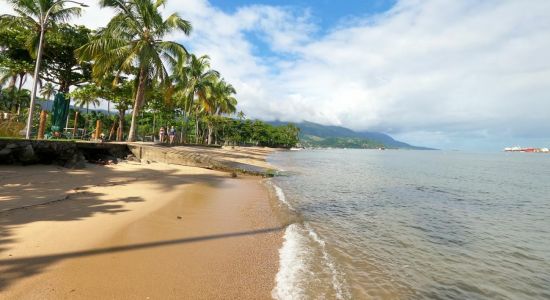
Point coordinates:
pixel 172 134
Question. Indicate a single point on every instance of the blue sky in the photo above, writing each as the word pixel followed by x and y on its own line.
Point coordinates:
pixel 325 13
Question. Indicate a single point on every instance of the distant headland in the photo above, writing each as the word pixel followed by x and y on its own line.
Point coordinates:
pixel 314 135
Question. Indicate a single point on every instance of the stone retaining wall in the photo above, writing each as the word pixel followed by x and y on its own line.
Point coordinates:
pixel 69 154
pixel 26 152
pixel 72 154
pixel 191 158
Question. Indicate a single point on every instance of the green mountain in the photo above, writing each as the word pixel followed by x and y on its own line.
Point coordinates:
pixel 317 135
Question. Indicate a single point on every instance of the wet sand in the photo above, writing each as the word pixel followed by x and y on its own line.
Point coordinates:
pixel 134 231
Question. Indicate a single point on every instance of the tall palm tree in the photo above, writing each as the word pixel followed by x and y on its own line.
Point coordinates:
pixel 224 101
pixel 195 79
pixel 221 101
pixel 134 39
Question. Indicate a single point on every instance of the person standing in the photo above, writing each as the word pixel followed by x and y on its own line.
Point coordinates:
pixel 162 134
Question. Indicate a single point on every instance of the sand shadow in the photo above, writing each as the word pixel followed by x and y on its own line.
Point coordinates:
pixel 43 198
pixel 13 269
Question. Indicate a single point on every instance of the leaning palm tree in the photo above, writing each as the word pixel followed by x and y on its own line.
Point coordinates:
pixel 134 40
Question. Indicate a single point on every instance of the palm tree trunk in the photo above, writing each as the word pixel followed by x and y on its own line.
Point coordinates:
pixel 112 131
pixel 75 126
pixel 137 104
pixel 11 87
pixel 19 95
pixel 183 133
pixel 120 131
pixel 154 124
pixel 68 112
pixel 196 130
pixel 210 130
pixel 86 120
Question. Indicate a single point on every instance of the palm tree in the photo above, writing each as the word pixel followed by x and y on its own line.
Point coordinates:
pixel 31 15
pixel 225 102
pixel 84 96
pixel 38 16
pixel 221 101
pixel 48 90
pixel 195 79
pixel 134 39
pixel 11 71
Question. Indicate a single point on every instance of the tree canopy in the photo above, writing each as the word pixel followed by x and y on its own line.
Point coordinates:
pixel 131 64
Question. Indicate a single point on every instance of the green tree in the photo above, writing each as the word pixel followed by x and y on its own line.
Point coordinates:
pixel 37 17
pixel 60 64
pixel 134 39
pixel 15 62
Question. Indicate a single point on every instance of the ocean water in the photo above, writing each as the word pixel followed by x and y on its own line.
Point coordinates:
pixel 397 224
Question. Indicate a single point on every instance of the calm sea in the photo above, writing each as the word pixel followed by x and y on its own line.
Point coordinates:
pixel 414 225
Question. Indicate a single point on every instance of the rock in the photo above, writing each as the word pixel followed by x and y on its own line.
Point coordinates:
pixel 179 217
pixel 6 151
pixel 27 155
pixel 131 157
pixel 77 161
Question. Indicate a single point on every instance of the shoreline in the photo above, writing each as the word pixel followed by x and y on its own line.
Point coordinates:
pixel 136 230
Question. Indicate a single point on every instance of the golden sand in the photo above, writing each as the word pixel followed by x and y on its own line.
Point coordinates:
pixel 133 231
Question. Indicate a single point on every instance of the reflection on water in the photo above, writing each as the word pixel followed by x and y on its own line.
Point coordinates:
pixel 421 224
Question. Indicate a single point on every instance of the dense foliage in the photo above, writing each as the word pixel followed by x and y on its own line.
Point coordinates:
pixel 146 81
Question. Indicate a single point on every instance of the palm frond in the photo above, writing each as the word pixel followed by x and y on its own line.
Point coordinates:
pixel 174 21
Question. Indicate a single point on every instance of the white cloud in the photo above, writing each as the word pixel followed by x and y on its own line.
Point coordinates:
pixel 92 16
pixel 452 69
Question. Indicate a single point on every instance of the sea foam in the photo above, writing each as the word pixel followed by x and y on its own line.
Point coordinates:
pixel 338 281
pixel 295 257
pixel 281 195
pixel 292 264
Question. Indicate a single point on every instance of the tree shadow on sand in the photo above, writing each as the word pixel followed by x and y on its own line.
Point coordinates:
pixel 15 269
pixel 48 202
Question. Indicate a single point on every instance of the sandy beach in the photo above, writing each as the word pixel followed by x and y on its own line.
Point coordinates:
pixel 135 231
